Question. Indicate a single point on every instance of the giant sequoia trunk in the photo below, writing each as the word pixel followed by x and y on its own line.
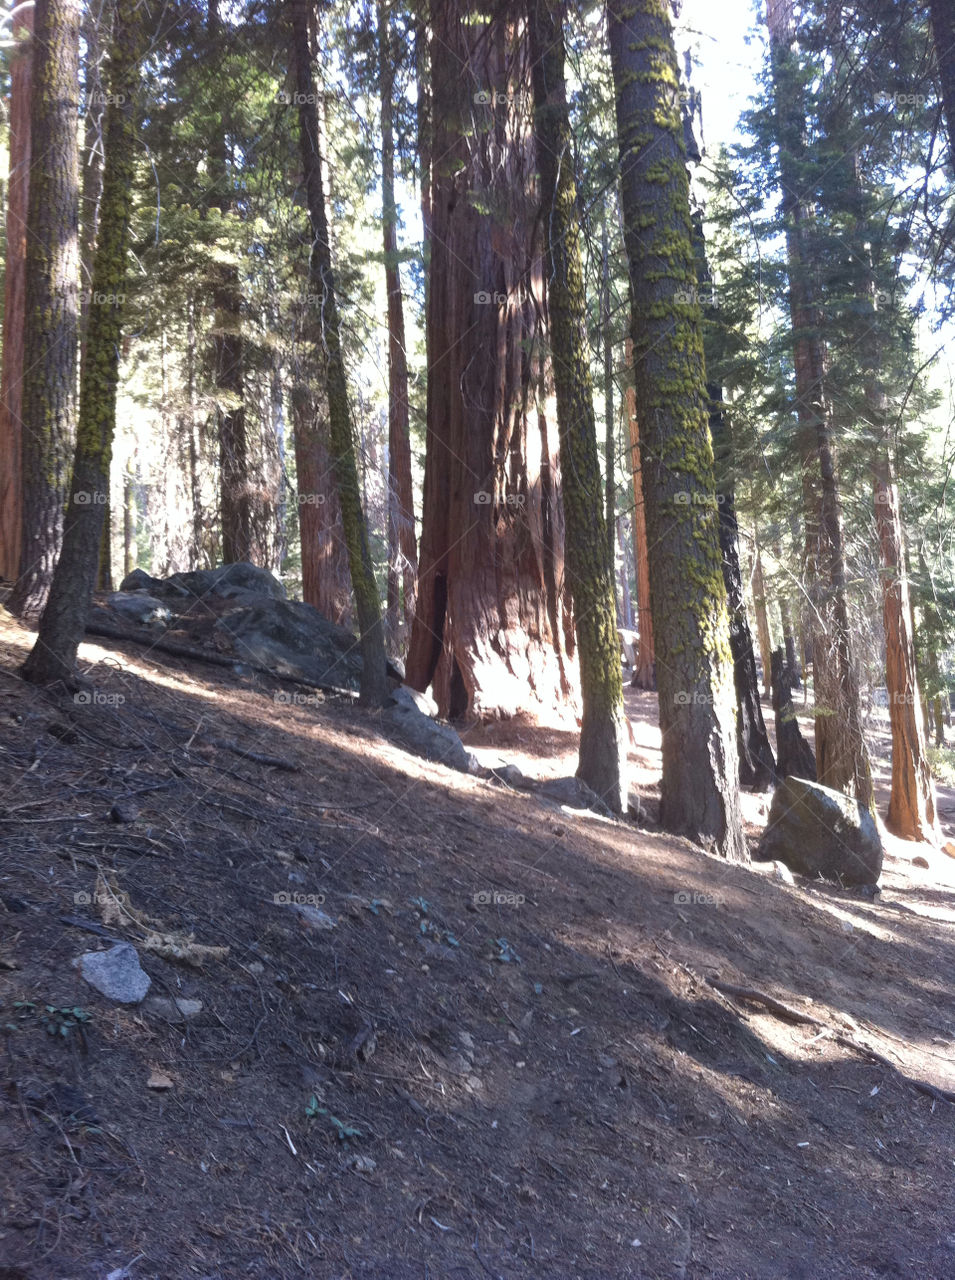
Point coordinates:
pixel 491 623
pixel 402 543
pixel 374 682
pixel 11 385
pixel 51 283
pixel 699 789
pixel 842 758
pixel 590 562
pixel 64 618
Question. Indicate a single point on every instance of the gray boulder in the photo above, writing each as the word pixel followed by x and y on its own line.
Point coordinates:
pixel 574 793
pixel 815 831
pixel 139 607
pixel 293 639
pixel 140 580
pixel 115 974
pixel 425 736
pixel 226 580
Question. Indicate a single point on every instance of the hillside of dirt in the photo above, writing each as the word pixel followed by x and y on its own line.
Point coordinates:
pixel 433 1027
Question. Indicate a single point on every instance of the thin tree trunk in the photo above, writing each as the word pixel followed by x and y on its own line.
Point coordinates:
pixel 51 282
pixel 700 784
pixel 762 621
pixel 757 766
pixel 228 354
pixel 943 34
pixel 644 671
pixel 610 463
pixel 64 618
pixel 624 574
pixel 789 641
pixel 589 551
pixel 326 578
pixel 11 377
pixel 402 544
pixel 374 682
pixel 842 759
pixel 129 526
pixel 912 814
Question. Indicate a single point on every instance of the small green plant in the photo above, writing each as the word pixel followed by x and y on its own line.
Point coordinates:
pixel 56 1021
pixel 343 1131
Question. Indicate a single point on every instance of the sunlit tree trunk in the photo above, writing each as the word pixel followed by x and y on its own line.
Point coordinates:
pixel 492 628
pixel 64 618
pixel 51 316
pixel 763 634
pixel 912 814
pixel 700 787
pixel 11 377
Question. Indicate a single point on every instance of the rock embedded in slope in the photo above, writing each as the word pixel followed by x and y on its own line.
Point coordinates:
pixel 816 831
pixel 115 974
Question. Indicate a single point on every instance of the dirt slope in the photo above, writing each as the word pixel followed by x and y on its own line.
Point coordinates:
pixel 443 1084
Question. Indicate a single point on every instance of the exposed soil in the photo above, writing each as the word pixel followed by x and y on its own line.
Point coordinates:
pixel 442 1085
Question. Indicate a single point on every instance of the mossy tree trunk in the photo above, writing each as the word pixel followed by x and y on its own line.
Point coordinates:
pixel 492 631
pixel 700 786
pixel 374 682
pixel 51 285
pixel 11 377
pixel 644 671
pixel 602 762
pixel 402 543
pixel 64 618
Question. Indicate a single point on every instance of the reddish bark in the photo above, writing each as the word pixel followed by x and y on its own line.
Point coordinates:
pixel 492 626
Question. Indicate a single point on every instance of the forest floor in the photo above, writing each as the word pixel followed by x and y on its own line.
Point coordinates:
pixel 438 1083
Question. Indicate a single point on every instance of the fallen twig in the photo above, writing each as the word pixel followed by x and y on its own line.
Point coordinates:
pixel 789 1014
